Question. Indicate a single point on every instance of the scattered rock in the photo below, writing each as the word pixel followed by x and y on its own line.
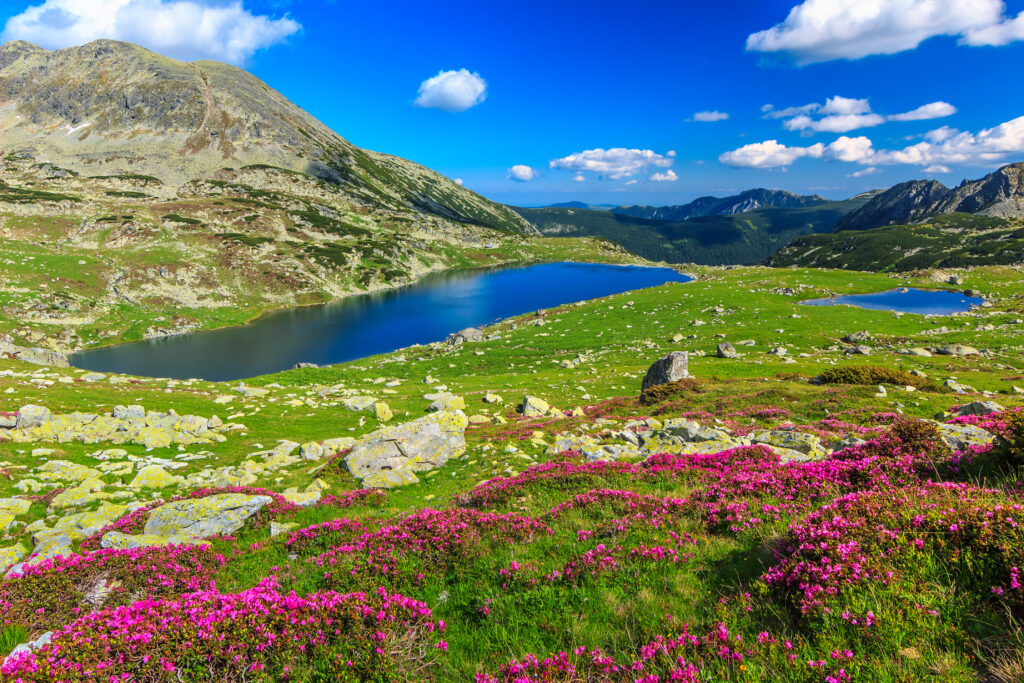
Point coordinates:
pixel 391 456
pixel 672 368
pixel 957 350
pixel 857 337
pixel 980 408
pixel 534 407
pixel 220 514
pixel 726 350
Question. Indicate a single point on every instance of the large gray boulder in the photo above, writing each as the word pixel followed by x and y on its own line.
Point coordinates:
pixel 215 515
pixel 470 334
pixel 726 350
pixel 391 456
pixel 672 368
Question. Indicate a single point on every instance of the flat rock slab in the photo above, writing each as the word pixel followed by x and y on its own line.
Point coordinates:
pixel 220 514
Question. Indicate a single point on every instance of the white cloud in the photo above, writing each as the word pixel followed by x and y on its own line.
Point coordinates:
pixel 941 148
pixel 845 105
pixel 579 178
pixel 870 170
pixel 823 30
pixel 632 182
pixel 458 181
pixel 183 29
pixel 667 176
pixel 837 123
pixel 938 168
pixel 710 116
pixel 933 110
pixel 769 154
pixel 452 91
pixel 615 163
pixel 522 173
pixel 770 112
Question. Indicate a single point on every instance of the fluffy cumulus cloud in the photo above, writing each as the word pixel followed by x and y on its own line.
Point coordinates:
pixel 710 116
pixel 842 114
pixel 870 170
pixel 940 148
pixel 667 176
pixel 452 91
pixel 769 154
pixel 458 181
pixel 934 110
pixel 522 173
pixel 184 29
pixel 579 178
pixel 823 30
pixel 614 163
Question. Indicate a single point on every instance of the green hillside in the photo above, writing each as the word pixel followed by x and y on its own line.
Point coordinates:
pixel 952 241
pixel 743 238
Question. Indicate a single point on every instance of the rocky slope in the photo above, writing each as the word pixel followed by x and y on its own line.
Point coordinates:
pixel 750 200
pixel 999 194
pixel 110 108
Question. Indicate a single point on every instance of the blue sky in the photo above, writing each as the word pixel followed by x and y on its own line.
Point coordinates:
pixel 545 84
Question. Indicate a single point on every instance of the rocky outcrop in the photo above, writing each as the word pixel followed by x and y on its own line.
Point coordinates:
pixel 216 515
pixel 750 200
pixel 35 355
pixel 999 194
pixel 907 202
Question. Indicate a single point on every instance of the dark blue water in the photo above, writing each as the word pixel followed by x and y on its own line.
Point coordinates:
pixel 906 301
pixel 369 324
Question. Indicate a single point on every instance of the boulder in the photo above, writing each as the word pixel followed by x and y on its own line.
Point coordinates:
pixel 11 555
pixel 115 539
pixel 32 416
pixel 957 350
pixel 492 398
pixel 980 408
pixel 311 451
pixel 470 334
pixel 791 440
pixel 443 400
pixel 359 403
pixel 382 411
pixel 726 350
pixel 960 437
pixel 219 514
pixel 386 457
pixel 859 350
pixel 154 477
pixel 857 337
pixel 534 407
pixel 672 368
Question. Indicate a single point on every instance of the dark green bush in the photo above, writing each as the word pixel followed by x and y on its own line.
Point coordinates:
pixel 871 375
pixel 1009 445
pixel 660 393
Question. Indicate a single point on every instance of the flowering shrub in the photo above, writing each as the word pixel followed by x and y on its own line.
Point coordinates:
pixel 893 536
pixel 357 497
pixel 258 634
pixel 51 592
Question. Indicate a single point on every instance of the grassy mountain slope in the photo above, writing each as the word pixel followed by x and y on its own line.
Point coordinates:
pixel 522 552
pixel 97 259
pixel 110 108
pixel 740 238
pixel 953 240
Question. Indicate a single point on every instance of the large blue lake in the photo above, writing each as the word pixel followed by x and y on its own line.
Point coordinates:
pixel 905 300
pixel 368 324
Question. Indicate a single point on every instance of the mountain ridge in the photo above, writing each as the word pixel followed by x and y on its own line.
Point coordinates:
pixel 744 202
pixel 111 107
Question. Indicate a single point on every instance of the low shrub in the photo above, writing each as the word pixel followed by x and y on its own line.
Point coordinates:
pixel 871 375
pixel 1009 445
pixel 660 393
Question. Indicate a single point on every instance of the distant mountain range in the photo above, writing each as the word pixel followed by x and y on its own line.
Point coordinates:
pixel 924 224
pixel 734 238
pixel 744 202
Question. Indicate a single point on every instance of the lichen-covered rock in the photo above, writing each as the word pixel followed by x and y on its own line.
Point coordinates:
pixel 534 407
pixel 11 555
pixel 418 446
pixel 304 499
pixel 311 451
pixel 32 416
pixel 961 437
pixel 63 470
pixel 115 539
pixel 389 479
pixel 359 403
pixel 219 514
pixel 788 439
pixel 957 350
pixel 445 401
pixel 382 411
pixel 87 492
pixel 11 508
pixel 154 477
pixel 980 408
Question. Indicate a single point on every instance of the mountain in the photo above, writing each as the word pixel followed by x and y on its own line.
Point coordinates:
pixel 110 108
pixel 741 238
pixel 747 201
pixel 1000 193
pixel 923 224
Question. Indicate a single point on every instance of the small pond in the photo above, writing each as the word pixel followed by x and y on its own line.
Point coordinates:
pixel 905 300
pixel 369 324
